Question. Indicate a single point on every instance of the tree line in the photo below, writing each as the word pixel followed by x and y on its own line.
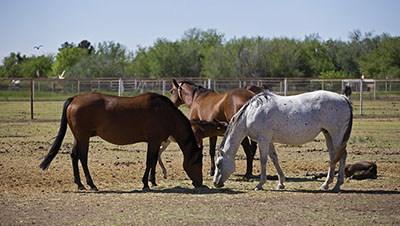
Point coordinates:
pixel 207 54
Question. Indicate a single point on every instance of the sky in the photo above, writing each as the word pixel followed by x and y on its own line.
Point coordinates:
pixel 132 23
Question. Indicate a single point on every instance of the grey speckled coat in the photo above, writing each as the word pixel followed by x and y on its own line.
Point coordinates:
pixel 269 118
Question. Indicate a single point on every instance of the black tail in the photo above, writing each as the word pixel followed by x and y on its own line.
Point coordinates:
pixel 60 137
pixel 346 136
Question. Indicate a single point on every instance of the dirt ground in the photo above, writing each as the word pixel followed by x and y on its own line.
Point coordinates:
pixel 30 196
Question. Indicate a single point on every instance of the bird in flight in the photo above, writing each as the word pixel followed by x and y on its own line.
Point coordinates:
pixel 38 47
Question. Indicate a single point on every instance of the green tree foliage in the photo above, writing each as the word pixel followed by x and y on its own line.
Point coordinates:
pixel 67 58
pixel 206 53
pixel 383 61
pixel 40 64
pixel 110 60
pixel 12 66
pixel 17 66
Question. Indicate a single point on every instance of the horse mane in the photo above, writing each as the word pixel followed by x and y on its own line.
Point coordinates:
pixel 197 88
pixel 185 120
pixel 239 114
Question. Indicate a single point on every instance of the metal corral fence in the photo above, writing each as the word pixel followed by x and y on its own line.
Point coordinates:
pixel 371 89
pixel 60 89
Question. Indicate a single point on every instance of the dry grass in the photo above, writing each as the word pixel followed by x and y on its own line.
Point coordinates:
pixel 29 195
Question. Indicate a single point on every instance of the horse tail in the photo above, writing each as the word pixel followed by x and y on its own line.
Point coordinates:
pixel 346 137
pixel 60 137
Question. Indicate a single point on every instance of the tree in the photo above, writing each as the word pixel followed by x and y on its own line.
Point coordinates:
pixel 40 64
pixel 85 44
pixel 67 58
pixel 383 61
pixel 12 66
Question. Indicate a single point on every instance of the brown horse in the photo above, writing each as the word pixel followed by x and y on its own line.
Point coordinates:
pixel 201 129
pixel 206 104
pixel 150 118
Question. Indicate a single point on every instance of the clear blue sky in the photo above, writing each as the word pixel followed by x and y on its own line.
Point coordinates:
pixel 27 23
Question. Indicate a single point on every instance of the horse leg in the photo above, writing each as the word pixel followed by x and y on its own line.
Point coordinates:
pixel 151 159
pixel 340 180
pixel 75 157
pixel 84 147
pixel 163 146
pixel 250 151
pixel 274 158
pixel 331 170
pixel 152 178
pixel 213 143
pixel 264 152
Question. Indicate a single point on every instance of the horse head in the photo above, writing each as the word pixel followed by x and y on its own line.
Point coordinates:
pixel 176 93
pixel 193 166
pixel 224 168
pixel 184 92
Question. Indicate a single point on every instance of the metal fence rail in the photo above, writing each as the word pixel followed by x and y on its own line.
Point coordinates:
pixel 130 87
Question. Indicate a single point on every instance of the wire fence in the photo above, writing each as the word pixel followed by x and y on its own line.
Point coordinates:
pixel 128 87
pixel 60 89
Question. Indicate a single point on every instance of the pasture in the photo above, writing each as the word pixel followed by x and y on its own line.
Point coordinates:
pixel 29 195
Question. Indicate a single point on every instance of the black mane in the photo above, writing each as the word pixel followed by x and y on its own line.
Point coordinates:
pixel 197 88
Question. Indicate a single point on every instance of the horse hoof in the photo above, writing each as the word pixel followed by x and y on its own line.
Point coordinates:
pixel 94 188
pixel 146 189
pixel 153 184
pixel 258 188
pixel 280 186
pixel 324 187
pixel 336 189
pixel 81 187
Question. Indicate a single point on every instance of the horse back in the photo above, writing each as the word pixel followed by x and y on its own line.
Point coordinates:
pixel 120 120
pixel 234 100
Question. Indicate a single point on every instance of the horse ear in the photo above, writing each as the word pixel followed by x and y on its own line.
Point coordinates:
pixel 175 83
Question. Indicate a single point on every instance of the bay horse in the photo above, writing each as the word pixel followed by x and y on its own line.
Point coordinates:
pixel 206 104
pixel 201 129
pixel 149 117
pixel 269 118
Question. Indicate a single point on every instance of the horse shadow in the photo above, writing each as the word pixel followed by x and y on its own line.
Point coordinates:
pixel 368 192
pixel 241 177
pixel 175 190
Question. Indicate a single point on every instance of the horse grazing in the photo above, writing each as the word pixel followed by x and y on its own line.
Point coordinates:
pixel 294 120
pixel 201 129
pixel 150 118
pixel 206 104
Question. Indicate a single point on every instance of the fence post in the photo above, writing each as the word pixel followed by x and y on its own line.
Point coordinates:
pixel 374 90
pixel 322 85
pixel 285 87
pixel 209 84
pixel 163 87
pixel 33 88
pixel 361 94
pixel 120 87
pixel 240 84
pixel 31 98
pixel 79 86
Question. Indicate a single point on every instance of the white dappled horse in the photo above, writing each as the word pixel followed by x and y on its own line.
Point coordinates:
pixel 269 118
